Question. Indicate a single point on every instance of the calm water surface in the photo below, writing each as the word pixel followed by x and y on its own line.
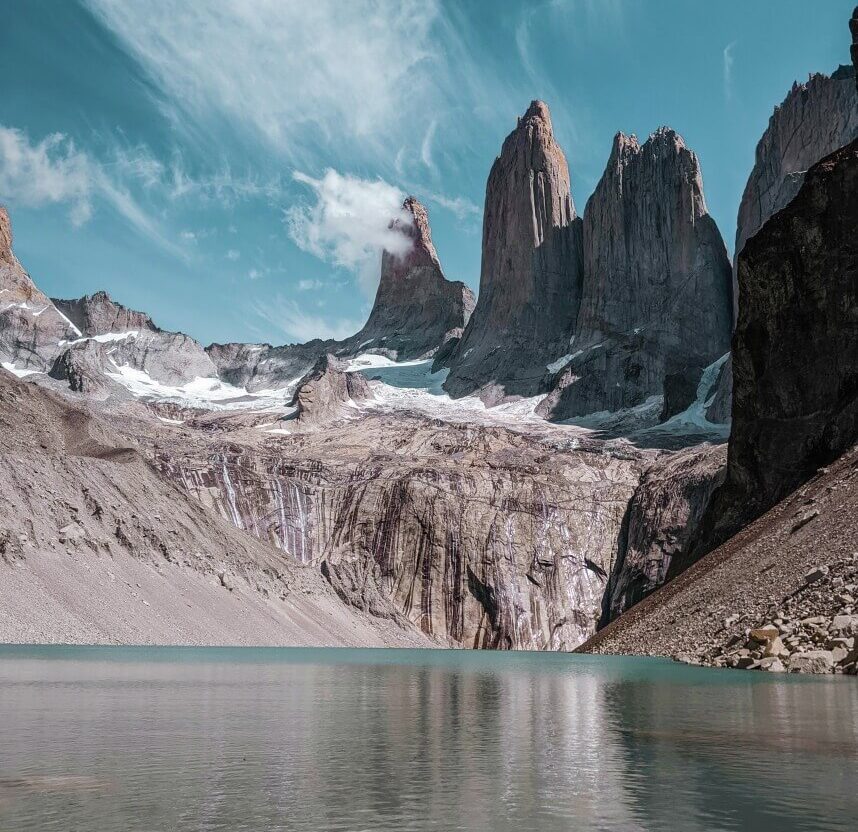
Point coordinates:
pixel 163 739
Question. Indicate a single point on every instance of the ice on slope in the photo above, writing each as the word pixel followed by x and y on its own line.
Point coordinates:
pixel 204 393
pixel 20 373
pixel 104 338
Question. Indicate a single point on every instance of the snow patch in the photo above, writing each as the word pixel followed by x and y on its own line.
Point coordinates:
pixel 204 393
pixel 8 365
pixel 104 338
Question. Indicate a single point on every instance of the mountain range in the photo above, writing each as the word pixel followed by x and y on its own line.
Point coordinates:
pixel 544 466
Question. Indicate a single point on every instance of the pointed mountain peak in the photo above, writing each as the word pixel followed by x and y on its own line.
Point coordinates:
pixel 422 250
pixel 537 111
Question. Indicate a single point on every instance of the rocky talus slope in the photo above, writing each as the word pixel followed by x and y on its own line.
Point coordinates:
pixel 416 309
pixel 778 595
pixel 97 547
pixel 656 293
pixel 530 278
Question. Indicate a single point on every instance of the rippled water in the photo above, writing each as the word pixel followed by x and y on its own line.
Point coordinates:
pixel 237 739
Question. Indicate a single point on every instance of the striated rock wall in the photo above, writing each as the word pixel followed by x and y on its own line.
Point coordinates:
pixel 479 536
pixel 416 308
pixel 656 294
pixel 530 279
pixel 661 524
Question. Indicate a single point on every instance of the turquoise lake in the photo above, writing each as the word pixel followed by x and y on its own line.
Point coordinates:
pixel 160 739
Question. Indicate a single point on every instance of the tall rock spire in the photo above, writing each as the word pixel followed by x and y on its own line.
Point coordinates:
pixel 530 280
pixel 416 308
pixel 657 286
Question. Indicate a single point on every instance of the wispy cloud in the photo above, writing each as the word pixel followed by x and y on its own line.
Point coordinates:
pixel 296 323
pixel 459 206
pixel 233 254
pixel 308 285
pixel 294 73
pixel 54 172
pixel 426 146
pixel 728 70
pixel 348 224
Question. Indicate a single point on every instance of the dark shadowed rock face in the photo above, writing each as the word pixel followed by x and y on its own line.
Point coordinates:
pixel 98 314
pixel 657 293
pixel 660 524
pixel 416 308
pixel 530 280
pixel 795 351
pixel 30 326
pixel 815 119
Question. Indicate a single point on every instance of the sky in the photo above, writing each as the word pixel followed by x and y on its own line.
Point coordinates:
pixel 231 166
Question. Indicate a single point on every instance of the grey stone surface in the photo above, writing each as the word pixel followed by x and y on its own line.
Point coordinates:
pixel 530 279
pixel 657 292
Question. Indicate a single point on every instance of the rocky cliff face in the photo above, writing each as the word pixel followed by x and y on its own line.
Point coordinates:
pixel 479 536
pixel 795 350
pixel 530 280
pixel 661 523
pixel 99 314
pixel 656 297
pixel 327 389
pixel 132 340
pixel 815 119
pixel 31 328
pixel 416 308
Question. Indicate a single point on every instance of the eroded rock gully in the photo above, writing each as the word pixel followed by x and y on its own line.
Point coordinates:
pixel 483 537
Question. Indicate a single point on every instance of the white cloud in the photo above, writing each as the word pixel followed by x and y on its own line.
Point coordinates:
pixel 309 285
pixel 459 206
pixel 54 172
pixel 233 254
pixel 50 172
pixel 294 322
pixel 728 70
pixel 349 223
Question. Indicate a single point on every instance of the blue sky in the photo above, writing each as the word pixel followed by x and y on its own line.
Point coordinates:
pixel 228 166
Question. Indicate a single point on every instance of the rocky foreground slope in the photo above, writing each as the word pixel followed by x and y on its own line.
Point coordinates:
pixel 779 595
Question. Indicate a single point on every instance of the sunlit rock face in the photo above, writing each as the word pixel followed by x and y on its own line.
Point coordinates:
pixel 656 297
pixel 31 328
pixel 416 308
pixel 530 279
pixel 133 341
pixel 481 536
